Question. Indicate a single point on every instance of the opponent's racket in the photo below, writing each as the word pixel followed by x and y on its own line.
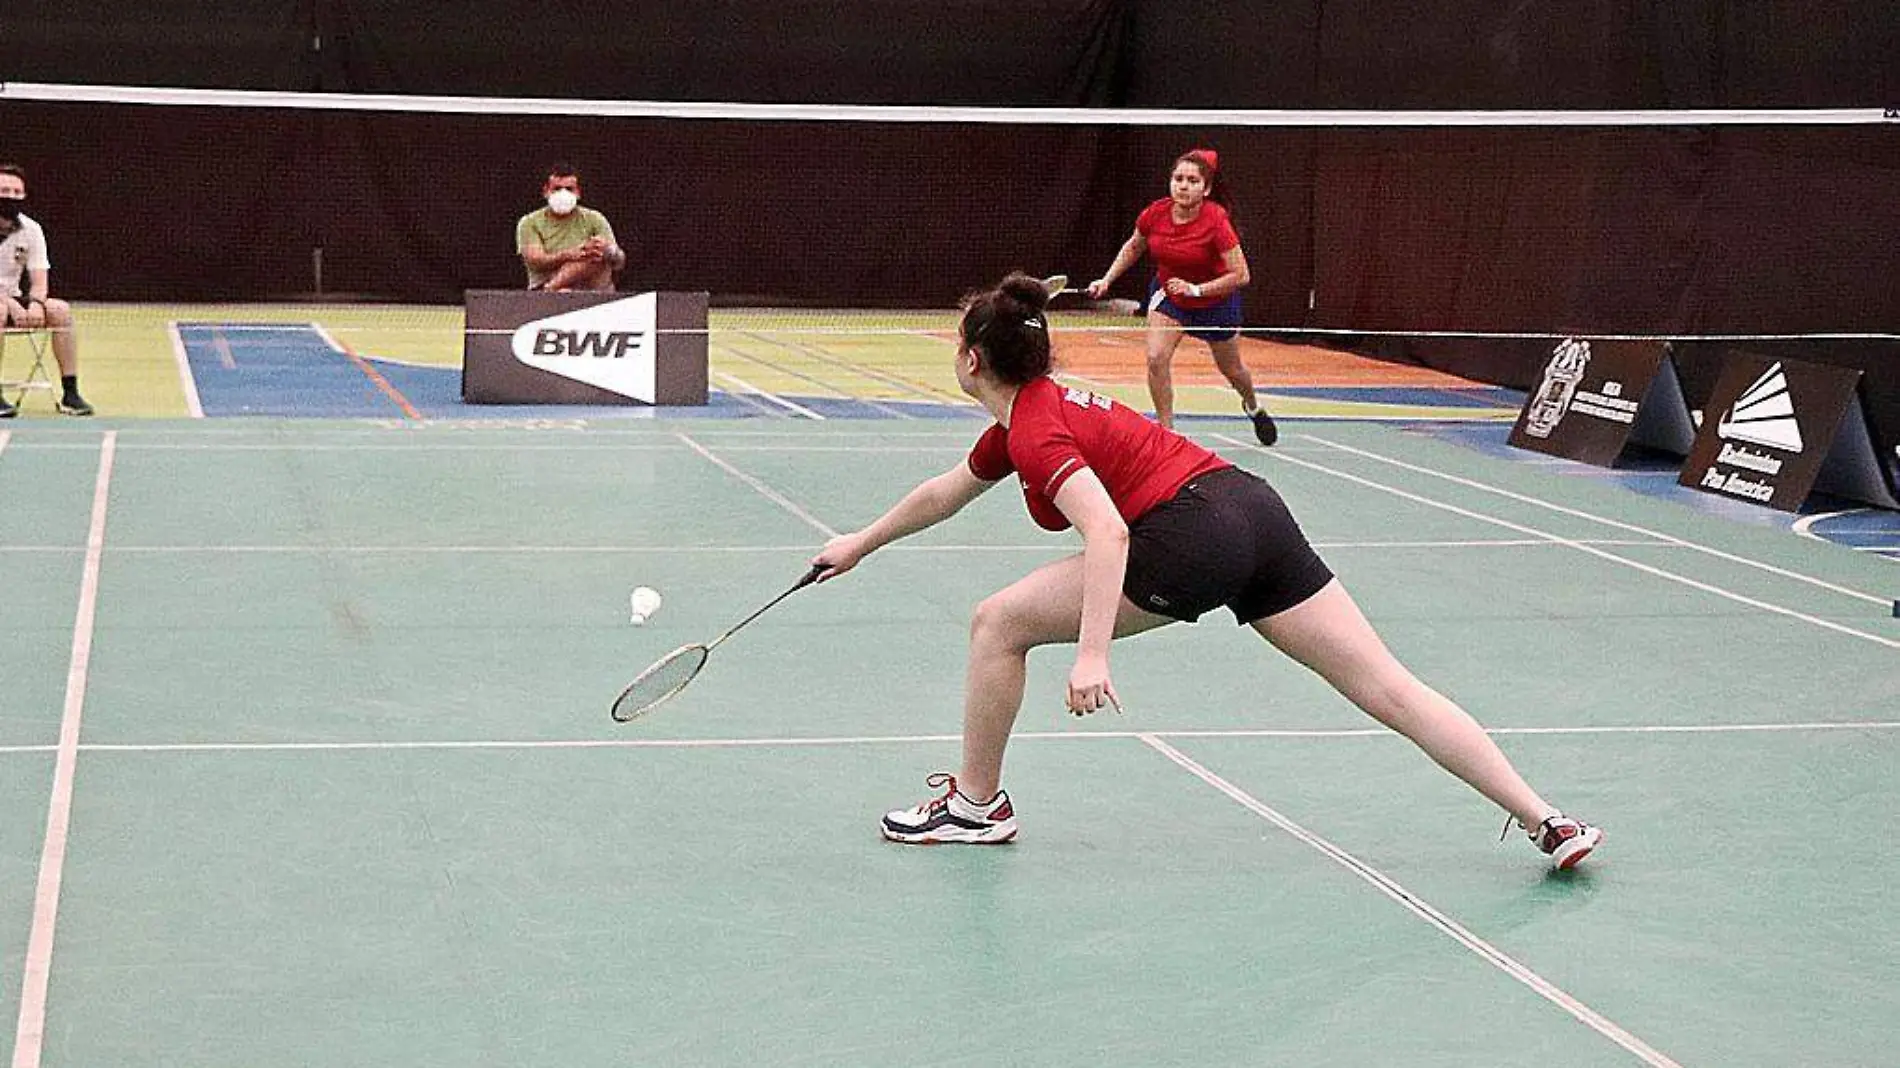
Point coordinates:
pixel 1057 285
pixel 669 675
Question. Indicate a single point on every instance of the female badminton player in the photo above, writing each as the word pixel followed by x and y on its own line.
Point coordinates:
pixel 1200 270
pixel 1170 531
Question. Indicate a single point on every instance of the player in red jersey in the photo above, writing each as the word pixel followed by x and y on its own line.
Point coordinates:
pixel 1170 531
pixel 1200 270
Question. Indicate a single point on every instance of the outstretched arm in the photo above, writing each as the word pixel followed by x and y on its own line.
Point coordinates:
pixel 1131 251
pixel 931 502
pixel 1086 503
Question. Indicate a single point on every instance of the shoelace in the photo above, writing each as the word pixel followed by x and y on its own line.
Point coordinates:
pixel 1536 835
pixel 936 779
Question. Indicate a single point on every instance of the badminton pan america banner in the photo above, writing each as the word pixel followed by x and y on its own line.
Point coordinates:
pixel 528 347
pixel 1768 428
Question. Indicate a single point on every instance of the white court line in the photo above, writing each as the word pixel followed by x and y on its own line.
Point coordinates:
pixel 1053 545
pixel 31 1031
pixel 186 381
pixel 1581 547
pixel 1801 526
pixel 918 739
pixel 1386 885
pixel 791 406
pixel 5 436
pixel 746 395
pixel 420 446
pixel 1620 525
pixel 764 490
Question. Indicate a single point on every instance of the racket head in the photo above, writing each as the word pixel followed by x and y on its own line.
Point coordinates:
pixel 1055 283
pixel 659 683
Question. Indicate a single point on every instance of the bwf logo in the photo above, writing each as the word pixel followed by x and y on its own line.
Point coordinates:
pixel 575 343
pixel 608 345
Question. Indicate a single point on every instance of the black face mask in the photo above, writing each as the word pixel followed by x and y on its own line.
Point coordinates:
pixel 10 209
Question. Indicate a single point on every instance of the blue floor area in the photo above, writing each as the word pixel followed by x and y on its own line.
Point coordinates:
pixel 294 371
pixel 1845 522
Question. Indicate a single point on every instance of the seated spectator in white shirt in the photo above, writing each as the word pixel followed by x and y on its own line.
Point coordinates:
pixel 28 305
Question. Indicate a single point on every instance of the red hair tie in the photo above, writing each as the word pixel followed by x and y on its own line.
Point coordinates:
pixel 1212 157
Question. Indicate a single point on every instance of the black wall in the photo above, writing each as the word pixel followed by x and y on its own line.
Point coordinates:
pixel 1653 230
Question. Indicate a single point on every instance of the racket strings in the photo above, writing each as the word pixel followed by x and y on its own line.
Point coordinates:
pixel 659 682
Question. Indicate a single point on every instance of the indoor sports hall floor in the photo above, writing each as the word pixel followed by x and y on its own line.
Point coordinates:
pixel 305 737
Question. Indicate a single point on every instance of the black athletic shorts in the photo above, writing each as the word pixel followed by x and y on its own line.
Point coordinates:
pixel 1225 539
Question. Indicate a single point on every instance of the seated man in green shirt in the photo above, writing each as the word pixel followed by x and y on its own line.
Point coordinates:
pixel 565 246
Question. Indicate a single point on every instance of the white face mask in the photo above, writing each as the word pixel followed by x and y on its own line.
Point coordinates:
pixel 562 201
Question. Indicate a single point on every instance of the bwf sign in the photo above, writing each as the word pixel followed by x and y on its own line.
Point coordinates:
pixel 528 347
pixel 607 345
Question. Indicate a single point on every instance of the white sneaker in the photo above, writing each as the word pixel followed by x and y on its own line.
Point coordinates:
pixel 1566 841
pixel 952 817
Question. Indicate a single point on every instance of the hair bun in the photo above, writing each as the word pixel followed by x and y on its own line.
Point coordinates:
pixel 1026 291
pixel 1212 157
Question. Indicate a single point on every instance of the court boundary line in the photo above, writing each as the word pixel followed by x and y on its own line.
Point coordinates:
pixel 1052 546
pixel 928 393
pixel 751 403
pixel 186 380
pixel 790 406
pixel 842 394
pixel 793 742
pixel 375 377
pixel 1706 587
pixel 1423 909
pixel 1604 520
pixel 830 392
pixel 764 490
pixel 30 1033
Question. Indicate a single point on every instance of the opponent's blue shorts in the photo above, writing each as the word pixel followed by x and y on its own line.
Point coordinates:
pixel 1218 323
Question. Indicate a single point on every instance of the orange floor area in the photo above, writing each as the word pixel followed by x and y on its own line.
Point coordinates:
pixel 1121 359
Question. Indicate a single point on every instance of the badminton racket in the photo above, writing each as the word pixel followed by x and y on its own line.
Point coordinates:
pixel 1057 285
pixel 671 673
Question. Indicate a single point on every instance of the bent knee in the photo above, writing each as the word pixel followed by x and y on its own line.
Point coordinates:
pixel 997 623
pixel 58 312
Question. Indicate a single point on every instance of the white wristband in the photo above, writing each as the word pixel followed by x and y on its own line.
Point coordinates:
pixel 1194 289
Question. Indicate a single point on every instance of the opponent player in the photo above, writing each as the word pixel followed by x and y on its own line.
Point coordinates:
pixel 1170 530
pixel 1200 270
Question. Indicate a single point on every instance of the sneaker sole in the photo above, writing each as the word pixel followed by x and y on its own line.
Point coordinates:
pixel 997 835
pixel 1571 853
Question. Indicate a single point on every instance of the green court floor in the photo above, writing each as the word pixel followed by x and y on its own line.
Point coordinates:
pixel 343 790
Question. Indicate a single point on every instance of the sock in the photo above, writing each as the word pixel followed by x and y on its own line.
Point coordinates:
pixel 69 383
pixel 1248 408
pixel 963 806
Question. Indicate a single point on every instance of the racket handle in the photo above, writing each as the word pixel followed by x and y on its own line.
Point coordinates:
pixel 811 576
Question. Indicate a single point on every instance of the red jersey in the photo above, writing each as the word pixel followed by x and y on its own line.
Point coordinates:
pixel 1056 430
pixel 1193 251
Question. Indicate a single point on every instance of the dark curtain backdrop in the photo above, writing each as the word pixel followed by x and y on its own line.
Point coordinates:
pixel 1687 230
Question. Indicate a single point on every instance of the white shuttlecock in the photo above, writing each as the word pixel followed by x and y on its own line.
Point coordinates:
pixel 644 602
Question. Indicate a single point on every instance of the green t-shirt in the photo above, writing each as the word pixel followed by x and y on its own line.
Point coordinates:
pixel 558 233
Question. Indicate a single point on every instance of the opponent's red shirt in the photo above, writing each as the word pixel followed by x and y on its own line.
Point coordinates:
pixel 1055 431
pixel 1192 251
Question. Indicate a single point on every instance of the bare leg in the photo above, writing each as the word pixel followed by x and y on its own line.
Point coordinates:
pixel 59 316
pixel 1328 634
pixel 1042 608
pixel 1163 335
pixel 1227 358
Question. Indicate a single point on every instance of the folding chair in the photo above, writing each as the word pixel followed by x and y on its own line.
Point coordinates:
pixel 39 342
